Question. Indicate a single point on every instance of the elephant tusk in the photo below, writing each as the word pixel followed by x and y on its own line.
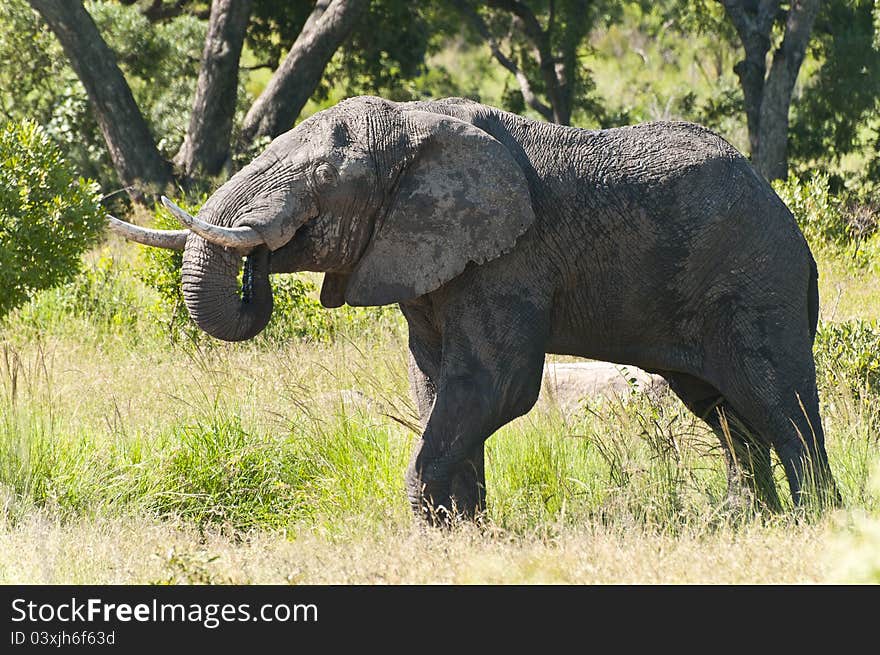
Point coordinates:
pixel 238 238
pixel 171 239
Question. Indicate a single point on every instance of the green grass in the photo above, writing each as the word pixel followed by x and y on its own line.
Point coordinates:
pixel 216 446
pixel 113 433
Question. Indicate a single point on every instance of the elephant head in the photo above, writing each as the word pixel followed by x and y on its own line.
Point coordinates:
pixel 389 200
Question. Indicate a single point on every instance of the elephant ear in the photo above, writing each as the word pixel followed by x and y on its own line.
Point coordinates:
pixel 461 198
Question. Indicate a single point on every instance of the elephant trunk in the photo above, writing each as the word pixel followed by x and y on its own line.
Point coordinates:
pixel 219 304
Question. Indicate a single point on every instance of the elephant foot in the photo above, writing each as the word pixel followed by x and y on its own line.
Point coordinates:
pixel 468 489
pixel 749 496
pixel 430 501
pixel 442 503
pixel 445 494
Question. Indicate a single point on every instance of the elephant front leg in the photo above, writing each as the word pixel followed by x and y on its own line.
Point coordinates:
pixel 446 476
pixel 422 387
pixel 458 491
pixel 467 486
pixel 485 373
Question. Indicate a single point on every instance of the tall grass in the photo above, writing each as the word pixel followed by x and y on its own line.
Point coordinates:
pixel 246 438
pixel 112 420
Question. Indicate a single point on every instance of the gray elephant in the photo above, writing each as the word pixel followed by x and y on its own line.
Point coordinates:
pixel 502 239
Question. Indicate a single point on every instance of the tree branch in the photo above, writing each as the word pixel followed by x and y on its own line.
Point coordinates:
pixel 135 157
pixel 205 147
pixel 158 11
pixel 295 79
pixel 525 86
pixel 531 27
pixel 753 22
pixel 540 38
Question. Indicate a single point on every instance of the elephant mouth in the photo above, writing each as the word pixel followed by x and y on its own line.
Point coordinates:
pixel 247 280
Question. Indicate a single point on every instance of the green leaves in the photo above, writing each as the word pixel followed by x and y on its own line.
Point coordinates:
pixel 48 215
pixel 160 270
pixel 160 63
pixel 848 354
pixel 844 224
pixel 876 24
pixel 817 211
pixel 836 115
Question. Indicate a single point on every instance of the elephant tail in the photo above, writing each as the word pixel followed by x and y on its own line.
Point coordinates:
pixel 813 298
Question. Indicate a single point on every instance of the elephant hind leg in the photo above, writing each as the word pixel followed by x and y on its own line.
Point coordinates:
pixel 788 417
pixel 749 469
pixel 772 389
pixel 748 458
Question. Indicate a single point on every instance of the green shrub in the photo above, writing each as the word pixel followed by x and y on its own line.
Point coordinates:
pixel 103 295
pixel 297 314
pixel 863 220
pixel 848 354
pixel 159 269
pixel 819 214
pixel 845 224
pixel 48 216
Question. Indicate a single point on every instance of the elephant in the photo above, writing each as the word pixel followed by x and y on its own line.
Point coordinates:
pixel 503 239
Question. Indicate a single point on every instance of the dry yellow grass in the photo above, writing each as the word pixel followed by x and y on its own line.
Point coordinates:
pixel 846 293
pixel 135 551
pixel 557 514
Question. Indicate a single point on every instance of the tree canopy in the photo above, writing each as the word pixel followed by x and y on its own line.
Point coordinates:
pixel 149 94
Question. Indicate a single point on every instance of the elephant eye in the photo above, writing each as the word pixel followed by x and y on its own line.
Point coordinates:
pixel 325 175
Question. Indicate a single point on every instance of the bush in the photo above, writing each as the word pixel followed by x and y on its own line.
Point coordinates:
pixel 48 216
pixel 160 270
pixel 102 300
pixel 818 213
pixel 845 224
pixel 297 314
pixel 104 294
pixel 848 354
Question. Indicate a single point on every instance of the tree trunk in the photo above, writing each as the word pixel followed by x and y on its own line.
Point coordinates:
pixel 771 157
pixel 751 72
pixel 753 23
pixel 205 147
pixel 298 75
pixel 135 157
pixel 767 95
